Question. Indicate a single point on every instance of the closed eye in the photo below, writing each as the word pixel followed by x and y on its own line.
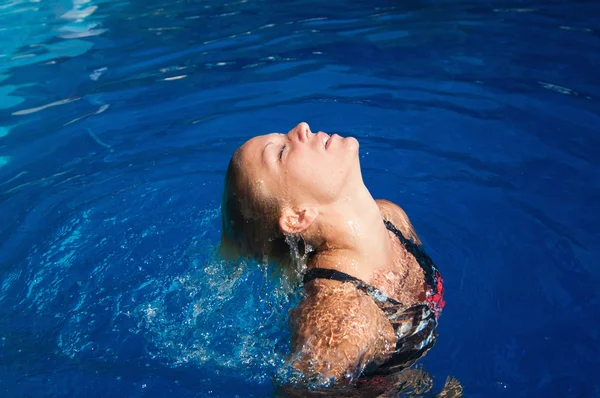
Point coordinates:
pixel 281 152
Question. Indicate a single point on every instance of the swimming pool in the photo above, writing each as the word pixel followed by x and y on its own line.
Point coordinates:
pixel 117 120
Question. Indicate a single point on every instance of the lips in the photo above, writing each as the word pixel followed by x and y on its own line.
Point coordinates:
pixel 325 140
pixel 329 141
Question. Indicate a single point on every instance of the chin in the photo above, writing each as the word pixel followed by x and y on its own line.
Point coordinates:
pixel 352 144
pixel 355 162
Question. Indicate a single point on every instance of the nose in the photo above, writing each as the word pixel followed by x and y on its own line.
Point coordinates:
pixel 301 131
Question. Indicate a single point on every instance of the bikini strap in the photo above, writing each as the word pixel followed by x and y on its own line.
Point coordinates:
pixel 331 274
pixel 426 263
pixel 326 273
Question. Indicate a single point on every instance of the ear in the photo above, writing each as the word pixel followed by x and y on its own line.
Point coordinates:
pixel 294 221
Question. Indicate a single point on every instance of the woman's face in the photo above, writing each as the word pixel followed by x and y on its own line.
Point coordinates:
pixel 301 168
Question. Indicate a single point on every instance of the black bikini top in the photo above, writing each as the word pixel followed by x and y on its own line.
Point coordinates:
pixel 414 326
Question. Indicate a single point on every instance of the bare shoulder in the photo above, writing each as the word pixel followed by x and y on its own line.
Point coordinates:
pixel 336 329
pixel 395 214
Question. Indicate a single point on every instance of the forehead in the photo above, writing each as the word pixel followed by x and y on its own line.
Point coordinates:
pixel 251 157
pixel 251 152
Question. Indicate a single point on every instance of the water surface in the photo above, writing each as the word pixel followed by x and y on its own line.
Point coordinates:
pixel 117 120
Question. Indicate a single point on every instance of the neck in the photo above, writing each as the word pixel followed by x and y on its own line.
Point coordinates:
pixel 350 236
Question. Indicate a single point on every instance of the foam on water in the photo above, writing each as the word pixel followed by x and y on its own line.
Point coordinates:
pixel 209 314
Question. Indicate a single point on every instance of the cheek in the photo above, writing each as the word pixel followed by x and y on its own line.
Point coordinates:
pixel 312 173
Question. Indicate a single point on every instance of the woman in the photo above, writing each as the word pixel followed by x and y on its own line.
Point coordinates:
pixel 372 296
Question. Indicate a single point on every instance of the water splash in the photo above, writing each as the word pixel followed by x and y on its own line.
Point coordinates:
pixel 299 251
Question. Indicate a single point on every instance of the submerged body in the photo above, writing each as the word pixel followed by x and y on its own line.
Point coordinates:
pixel 372 297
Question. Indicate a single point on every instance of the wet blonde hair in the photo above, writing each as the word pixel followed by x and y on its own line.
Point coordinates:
pixel 249 218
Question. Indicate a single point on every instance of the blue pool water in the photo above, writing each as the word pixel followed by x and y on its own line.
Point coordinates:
pixel 117 120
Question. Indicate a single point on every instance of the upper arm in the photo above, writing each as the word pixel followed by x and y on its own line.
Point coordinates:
pixel 394 213
pixel 337 331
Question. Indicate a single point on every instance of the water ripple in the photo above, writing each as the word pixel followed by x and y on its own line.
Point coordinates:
pixel 117 120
